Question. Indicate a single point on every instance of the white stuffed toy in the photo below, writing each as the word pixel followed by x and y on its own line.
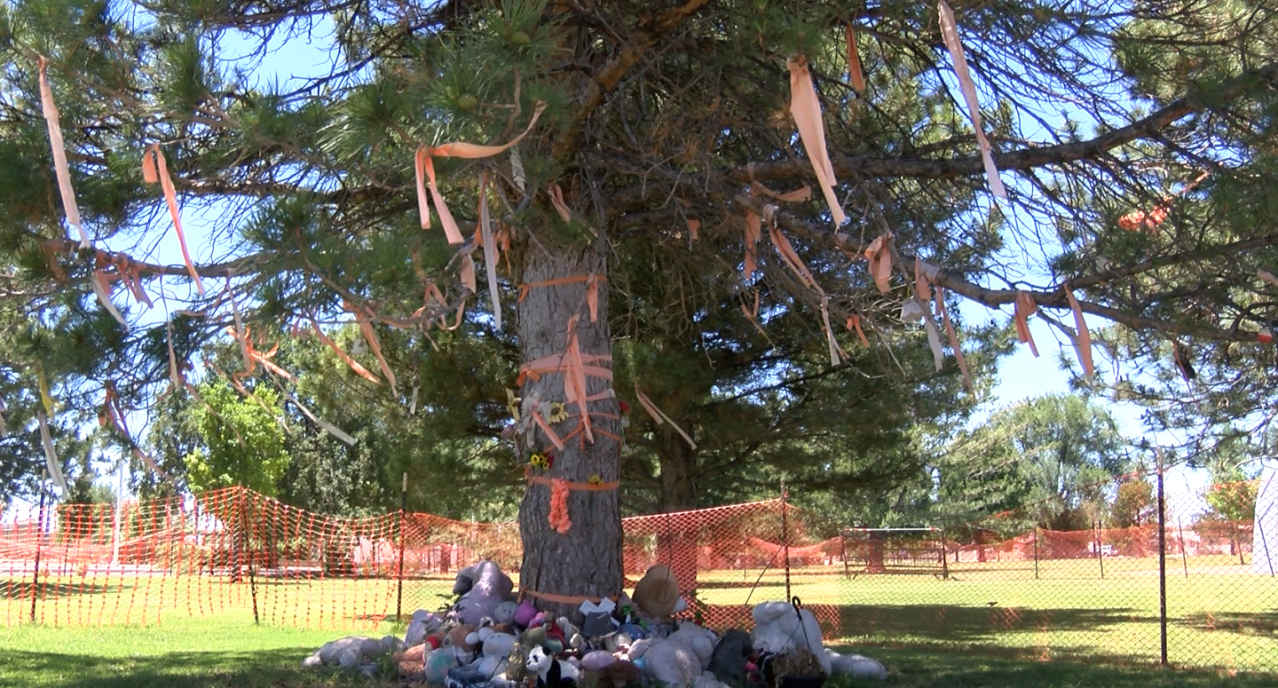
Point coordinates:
pixel 350 652
pixel 779 627
pixel 680 658
pixel 855 666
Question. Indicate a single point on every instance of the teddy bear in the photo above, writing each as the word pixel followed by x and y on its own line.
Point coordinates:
pixel 483 587
pixel 779 626
pixel 550 672
pixel 678 659
pixel 351 652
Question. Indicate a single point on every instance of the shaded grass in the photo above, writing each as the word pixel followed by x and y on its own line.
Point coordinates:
pixel 222 651
pixel 227 651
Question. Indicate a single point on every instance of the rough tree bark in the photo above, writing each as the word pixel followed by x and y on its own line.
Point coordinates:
pixel 679 539
pixel 585 561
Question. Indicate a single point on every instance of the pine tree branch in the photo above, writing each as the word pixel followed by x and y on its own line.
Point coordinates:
pixel 612 73
pixel 1146 128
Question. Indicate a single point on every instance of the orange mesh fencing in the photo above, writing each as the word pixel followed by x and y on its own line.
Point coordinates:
pixel 996 584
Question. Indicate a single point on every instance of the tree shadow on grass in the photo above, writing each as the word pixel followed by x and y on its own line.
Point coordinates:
pixel 1258 624
pixel 914 666
pixel 274 668
pixel 940 623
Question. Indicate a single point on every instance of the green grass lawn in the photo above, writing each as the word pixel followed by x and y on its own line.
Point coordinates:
pixel 227 650
pixel 987 624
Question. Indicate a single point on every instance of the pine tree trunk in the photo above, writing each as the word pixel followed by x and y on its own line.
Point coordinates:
pixel 679 539
pixel 586 560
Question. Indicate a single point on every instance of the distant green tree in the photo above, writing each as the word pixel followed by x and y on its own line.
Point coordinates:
pixel 1133 505
pixel 242 441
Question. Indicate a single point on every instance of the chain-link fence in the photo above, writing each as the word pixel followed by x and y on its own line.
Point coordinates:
pixel 1004 583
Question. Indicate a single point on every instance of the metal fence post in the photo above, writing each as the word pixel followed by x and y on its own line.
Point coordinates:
pixel 35 573
pixel 1035 552
pixel 399 573
pixel 785 539
pixel 1162 562
pixel 1100 554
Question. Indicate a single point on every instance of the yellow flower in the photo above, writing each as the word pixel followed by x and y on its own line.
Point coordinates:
pixel 558 412
pixel 595 479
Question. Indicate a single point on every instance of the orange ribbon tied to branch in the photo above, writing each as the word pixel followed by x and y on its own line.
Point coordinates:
pixel 345 357
pixel 1083 343
pixel 660 417
pixel 855 76
pixel 1025 307
pixel 949 33
pixel 490 249
pixel 939 296
pixel 154 169
pixel 805 107
pixel 880 259
pixel 424 167
pixel 59 149
pixel 854 322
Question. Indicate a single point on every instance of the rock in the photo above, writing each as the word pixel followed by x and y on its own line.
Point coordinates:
pixel 728 660
pixel 312 662
pixel 350 659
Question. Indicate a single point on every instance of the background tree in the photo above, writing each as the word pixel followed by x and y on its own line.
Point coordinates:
pixel 1134 504
pixel 243 443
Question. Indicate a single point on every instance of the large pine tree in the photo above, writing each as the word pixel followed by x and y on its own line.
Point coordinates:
pixel 670 125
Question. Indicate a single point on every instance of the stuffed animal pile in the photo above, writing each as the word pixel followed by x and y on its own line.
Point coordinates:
pixel 488 639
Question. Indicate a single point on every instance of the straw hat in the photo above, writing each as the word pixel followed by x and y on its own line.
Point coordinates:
pixel 657 592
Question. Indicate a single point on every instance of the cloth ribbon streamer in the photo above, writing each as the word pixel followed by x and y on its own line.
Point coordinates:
pixel 854 322
pixel 113 413
pixel 837 354
pixel 374 345
pixel 50 456
pixel 557 200
pixel 855 76
pixel 324 425
pixel 591 279
pixel 880 259
pixel 490 249
pixel 792 259
pixel 660 417
pixel 555 597
pixel 424 166
pixel 1025 307
pixel 59 149
pixel 939 297
pixel 933 336
pixel 575 486
pixel 949 33
pixel 806 110
pixel 1083 343
pixel 753 232
pixel 101 287
pixel 154 169
pixel 346 358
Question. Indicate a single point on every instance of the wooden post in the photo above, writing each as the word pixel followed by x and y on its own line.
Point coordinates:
pixel 35 574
